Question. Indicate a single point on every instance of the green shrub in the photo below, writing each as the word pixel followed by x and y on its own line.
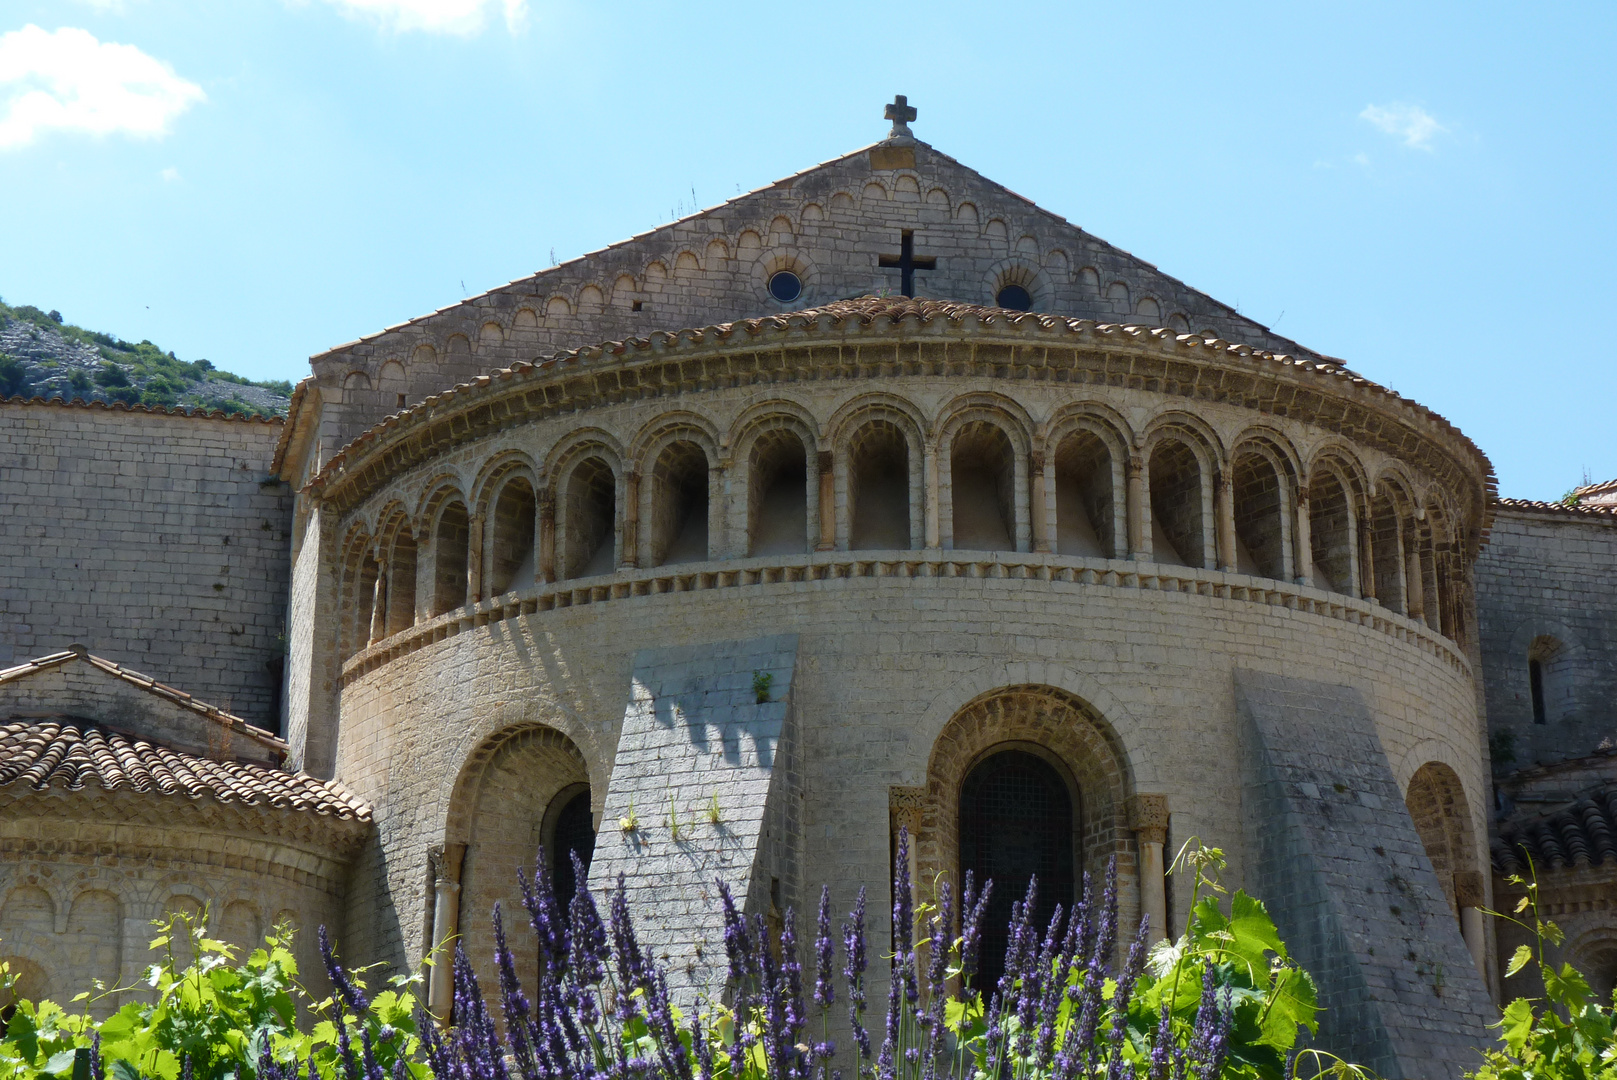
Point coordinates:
pixel 111 375
pixel 218 1014
pixel 14 378
pixel 1567 1035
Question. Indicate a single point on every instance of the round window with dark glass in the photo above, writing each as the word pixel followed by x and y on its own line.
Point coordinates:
pixel 1014 297
pixel 785 286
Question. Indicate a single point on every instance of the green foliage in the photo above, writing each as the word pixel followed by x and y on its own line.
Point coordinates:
pixel 198 1003
pixel 762 684
pixel 1566 1035
pixel 14 378
pixel 111 375
pixel 79 380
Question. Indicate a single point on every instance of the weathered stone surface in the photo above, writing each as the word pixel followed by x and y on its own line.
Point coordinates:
pixel 1341 868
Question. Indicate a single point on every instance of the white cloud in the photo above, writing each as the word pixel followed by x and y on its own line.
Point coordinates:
pixel 69 81
pixel 170 174
pixel 1410 123
pixel 463 17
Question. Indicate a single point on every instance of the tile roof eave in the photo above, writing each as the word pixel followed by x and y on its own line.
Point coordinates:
pixel 119 406
pixel 1535 506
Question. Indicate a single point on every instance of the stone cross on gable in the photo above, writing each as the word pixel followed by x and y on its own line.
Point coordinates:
pixel 900 112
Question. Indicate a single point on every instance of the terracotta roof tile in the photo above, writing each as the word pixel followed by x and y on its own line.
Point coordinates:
pixel 1534 506
pixel 1579 835
pixel 53 756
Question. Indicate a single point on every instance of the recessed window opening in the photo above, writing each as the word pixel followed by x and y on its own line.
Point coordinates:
pixel 1259 515
pixel 450 558
pixel 364 607
pixel 777 495
pixel 1386 543
pixel 574 835
pixel 1084 507
pixel 785 286
pixel 511 552
pixel 982 474
pixel 1535 678
pixel 637 305
pixel 588 500
pixel 1016 822
pixel 679 505
pixel 1431 598
pixel 1178 535
pixel 879 479
pixel 401 582
pixel 1330 533
pixel 1548 681
pixel 1014 297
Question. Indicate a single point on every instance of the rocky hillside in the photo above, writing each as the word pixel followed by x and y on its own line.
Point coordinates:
pixel 41 356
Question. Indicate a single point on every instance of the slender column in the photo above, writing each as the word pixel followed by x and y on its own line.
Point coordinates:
pixel 445 927
pixel 828 505
pixel 1414 587
pixel 547 536
pixel 1148 817
pixel 1038 508
pixel 630 556
pixel 1468 897
pixel 1224 513
pixel 474 561
pixel 379 606
pixel 929 494
pixel 1136 508
pixel 1305 541
pixel 1367 576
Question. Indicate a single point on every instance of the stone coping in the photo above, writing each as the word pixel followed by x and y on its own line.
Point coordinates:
pixel 831 567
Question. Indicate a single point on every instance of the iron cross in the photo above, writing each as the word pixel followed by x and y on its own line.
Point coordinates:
pixel 906 260
pixel 900 112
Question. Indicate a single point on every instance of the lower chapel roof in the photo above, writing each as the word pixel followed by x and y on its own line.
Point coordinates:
pixel 1581 834
pixel 49 755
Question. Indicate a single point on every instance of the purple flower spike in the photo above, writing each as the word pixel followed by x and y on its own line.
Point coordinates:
pixel 854 953
pixel 825 953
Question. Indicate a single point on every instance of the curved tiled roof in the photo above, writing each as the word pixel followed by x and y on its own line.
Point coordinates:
pixel 878 313
pixel 50 756
pixel 201 414
pixel 1580 835
pixel 1534 506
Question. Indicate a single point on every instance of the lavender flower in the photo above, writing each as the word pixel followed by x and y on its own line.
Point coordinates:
pixel 348 994
pixel 825 953
pixel 972 909
pixel 904 918
pixel 853 945
pixel 549 927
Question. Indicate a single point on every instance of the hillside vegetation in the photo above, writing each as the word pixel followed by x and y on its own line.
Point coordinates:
pixel 42 356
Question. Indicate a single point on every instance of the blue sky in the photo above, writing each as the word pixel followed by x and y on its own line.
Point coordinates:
pixel 1424 190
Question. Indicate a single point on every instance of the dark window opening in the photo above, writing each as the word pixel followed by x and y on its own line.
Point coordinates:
pixel 1535 677
pixel 575 835
pixel 1015 823
pixel 637 305
pixel 1014 297
pixel 785 286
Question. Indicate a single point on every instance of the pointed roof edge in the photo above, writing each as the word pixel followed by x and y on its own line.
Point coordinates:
pixel 789 179
pixel 229 721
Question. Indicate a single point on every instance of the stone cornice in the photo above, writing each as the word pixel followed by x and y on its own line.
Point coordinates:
pixel 874 339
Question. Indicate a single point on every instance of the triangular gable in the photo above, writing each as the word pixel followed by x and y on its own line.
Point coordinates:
pixel 75 686
pixel 832 225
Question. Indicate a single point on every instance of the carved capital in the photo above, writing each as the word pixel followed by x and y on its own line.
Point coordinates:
pixel 904 805
pixel 1148 817
pixel 1468 888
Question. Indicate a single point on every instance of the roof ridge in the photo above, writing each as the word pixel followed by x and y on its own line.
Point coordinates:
pixel 229 721
pixel 123 406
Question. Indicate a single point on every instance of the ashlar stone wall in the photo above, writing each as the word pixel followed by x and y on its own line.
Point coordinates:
pixel 158 540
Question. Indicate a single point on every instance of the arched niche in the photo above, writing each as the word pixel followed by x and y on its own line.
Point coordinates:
pixel 1437 804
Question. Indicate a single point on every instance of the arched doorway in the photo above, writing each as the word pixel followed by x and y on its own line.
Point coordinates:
pixel 571 832
pixel 1016 823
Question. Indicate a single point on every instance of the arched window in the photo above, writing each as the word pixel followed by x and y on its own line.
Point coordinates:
pixel 879 479
pixel 572 833
pixel 1330 533
pixel 511 552
pixel 401 582
pixel 1549 680
pixel 1178 533
pixel 363 612
pixel 589 495
pixel 1084 500
pixel 449 557
pixel 1259 517
pixel 679 504
pixel 982 483
pixel 1016 822
pixel 1386 550
pixel 777 495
